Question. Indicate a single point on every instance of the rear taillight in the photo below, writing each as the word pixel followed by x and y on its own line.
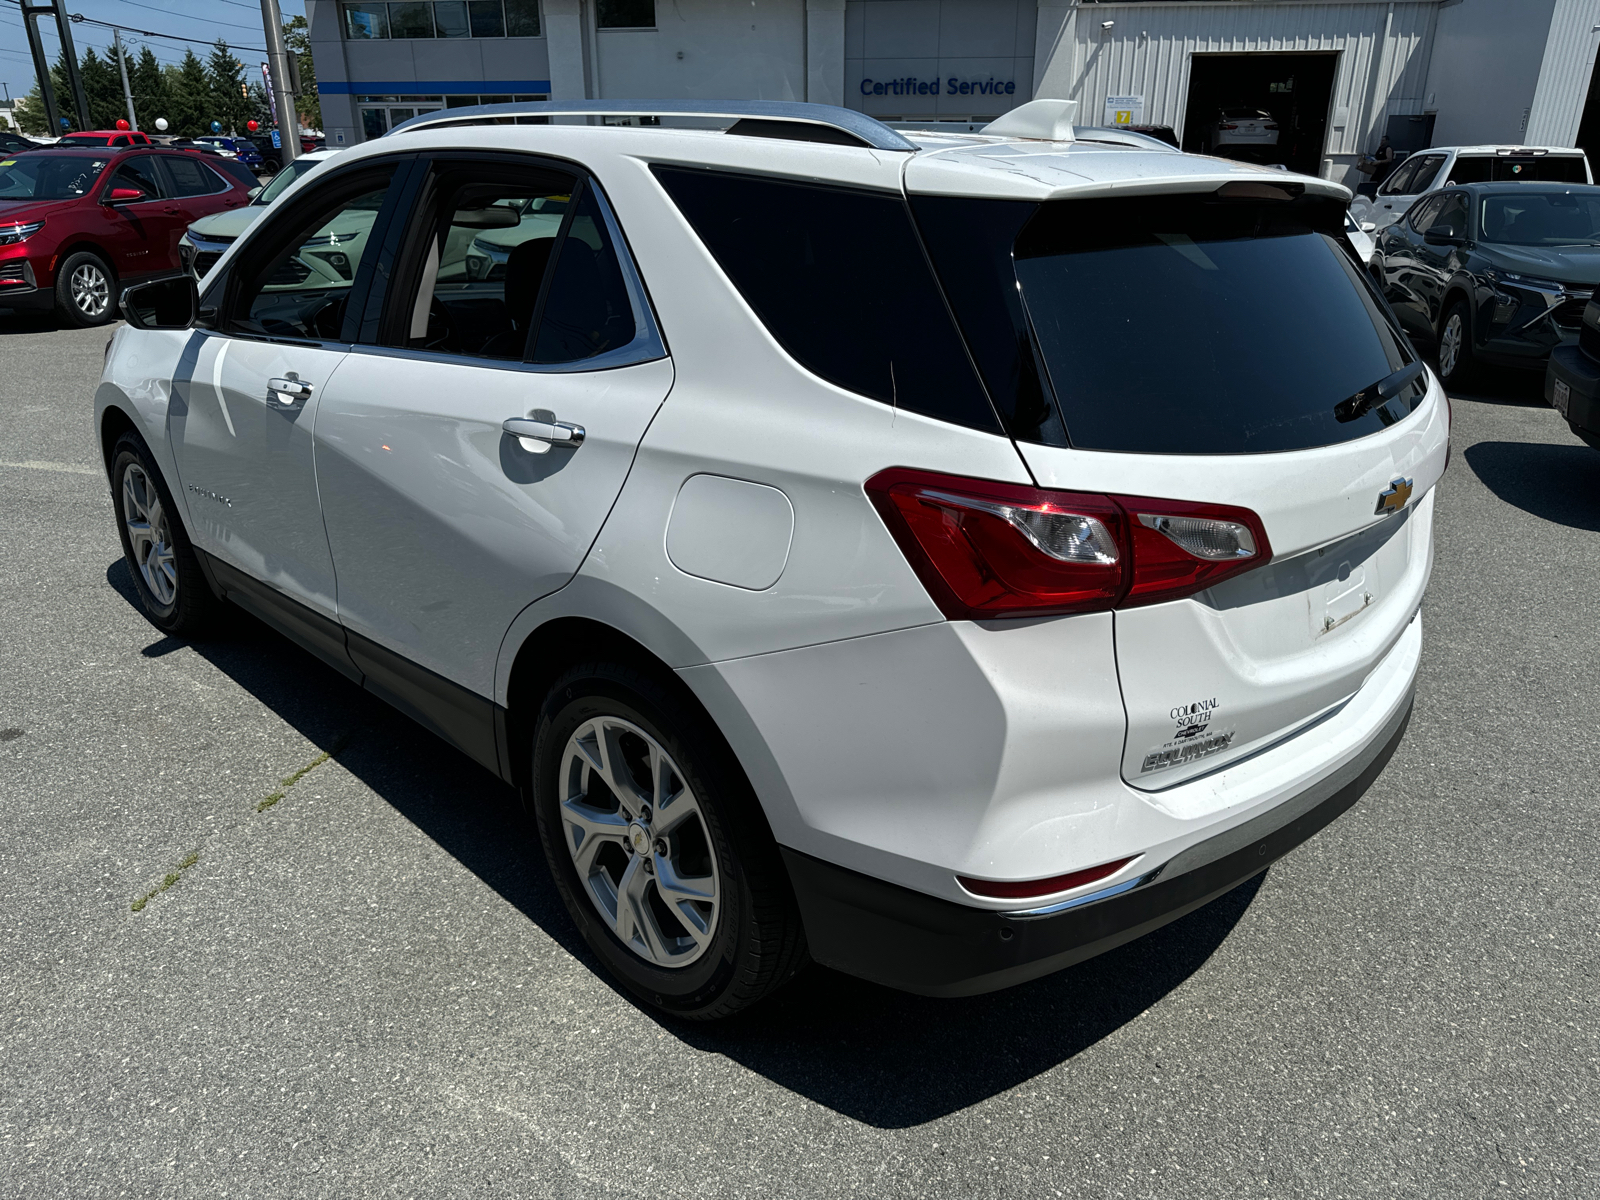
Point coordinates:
pixel 986 549
pixel 1228 126
pixel 1269 125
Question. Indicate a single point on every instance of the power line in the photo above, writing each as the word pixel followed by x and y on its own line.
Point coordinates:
pixel 168 12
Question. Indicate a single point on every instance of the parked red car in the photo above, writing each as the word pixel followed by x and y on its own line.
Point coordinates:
pixel 105 137
pixel 76 225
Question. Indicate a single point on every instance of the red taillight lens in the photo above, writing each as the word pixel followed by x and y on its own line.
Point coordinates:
pixel 1032 889
pixel 986 549
pixel 996 549
pixel 1180 548
pixel 1229 127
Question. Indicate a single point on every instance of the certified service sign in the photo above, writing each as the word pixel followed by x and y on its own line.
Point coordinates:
pixel 1124 110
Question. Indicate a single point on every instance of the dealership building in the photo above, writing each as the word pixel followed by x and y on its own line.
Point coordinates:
pixel 1333 76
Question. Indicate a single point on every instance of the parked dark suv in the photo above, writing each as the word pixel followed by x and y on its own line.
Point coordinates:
pixel 1494 272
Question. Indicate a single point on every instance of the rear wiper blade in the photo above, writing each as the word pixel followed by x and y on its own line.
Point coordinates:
pixel 1389 386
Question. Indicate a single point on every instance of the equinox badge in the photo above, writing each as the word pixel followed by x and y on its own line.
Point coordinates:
pixel 1393 498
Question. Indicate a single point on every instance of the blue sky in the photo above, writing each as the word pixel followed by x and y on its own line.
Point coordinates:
pixel 236 21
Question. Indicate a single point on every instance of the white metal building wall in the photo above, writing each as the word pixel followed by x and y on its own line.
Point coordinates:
pixel 1383 48
pixel 1568 66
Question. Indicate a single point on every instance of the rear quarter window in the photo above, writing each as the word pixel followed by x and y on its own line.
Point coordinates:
pixel 839 278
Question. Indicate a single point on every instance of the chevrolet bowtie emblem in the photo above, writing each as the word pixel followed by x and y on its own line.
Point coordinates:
pixel 1393 498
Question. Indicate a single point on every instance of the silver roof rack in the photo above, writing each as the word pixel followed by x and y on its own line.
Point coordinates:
pixel 762 114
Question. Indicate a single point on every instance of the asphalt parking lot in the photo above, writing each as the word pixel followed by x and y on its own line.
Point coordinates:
pixel 360 982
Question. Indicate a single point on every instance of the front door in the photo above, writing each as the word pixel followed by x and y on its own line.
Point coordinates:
pixel 523 305
pixel 242 413
pixel 141 230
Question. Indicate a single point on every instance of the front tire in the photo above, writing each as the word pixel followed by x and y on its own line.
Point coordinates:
pixel 86 290
pixel 658 847
pixel 166 571
pixel 1457 363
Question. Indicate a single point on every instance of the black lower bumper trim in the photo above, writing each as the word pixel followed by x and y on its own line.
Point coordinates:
pixel 920 943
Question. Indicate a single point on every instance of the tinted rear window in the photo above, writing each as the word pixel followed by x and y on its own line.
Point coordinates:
pixel 839 279
pixel 1189 325
pixel 1564 168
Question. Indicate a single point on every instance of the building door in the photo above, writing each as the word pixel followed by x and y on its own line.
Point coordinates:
pixel 1233 98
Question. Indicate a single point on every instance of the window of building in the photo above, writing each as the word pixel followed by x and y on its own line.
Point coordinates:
pixel 626 14
pixel 380 114
pixel 452 18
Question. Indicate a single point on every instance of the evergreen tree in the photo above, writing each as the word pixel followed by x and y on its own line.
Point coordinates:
pixel 66 106
pixel 297 36
pixel 191 97
pixel 230 102
pixel 152 96
pixel 30 113
pixel 102 87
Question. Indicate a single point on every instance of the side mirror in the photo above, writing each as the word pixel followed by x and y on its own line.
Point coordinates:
pixel 125 195
pixel 1442 237
pixel 170 303
pixel 1368 226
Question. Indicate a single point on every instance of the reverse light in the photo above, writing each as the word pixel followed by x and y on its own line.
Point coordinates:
pixel 11 234
pixel 1032 889
pixel 986 550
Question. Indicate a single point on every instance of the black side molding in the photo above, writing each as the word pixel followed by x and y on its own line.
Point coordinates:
pixel 471 723
pixel 920 943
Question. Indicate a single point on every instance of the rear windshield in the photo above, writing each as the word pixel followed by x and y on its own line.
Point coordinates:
pixel 1549 168
pixel 1187 325
pixel 85 139
pixel 48 177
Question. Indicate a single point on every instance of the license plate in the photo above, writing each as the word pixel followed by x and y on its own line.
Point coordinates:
pixel 1561 399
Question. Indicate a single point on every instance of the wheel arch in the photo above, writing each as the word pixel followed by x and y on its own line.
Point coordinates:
pixel 1459 289
pixel 114 422
pixel 94 248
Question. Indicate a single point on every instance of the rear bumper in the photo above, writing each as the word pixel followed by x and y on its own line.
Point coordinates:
pixel 920 943
pixel 1581 374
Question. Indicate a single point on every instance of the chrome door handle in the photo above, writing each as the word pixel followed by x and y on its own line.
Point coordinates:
pixel 289 390
pixel 538 436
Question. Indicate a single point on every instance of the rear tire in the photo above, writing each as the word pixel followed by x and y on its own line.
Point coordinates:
pixel 86 290
pixel 166 570
pixel 1457 365
pixel 658 846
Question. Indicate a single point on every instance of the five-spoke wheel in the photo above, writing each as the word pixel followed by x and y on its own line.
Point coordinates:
pixel 145 519
pixel 166 572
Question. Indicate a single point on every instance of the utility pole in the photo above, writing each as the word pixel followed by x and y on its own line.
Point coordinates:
pixel 282 85
pixel 122 65
pixel 41 66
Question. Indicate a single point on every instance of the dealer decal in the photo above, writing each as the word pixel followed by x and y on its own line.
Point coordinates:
pixel 1192 737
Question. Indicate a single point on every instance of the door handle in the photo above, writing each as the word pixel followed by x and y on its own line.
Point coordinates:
pixel 289 390
pixel 539 436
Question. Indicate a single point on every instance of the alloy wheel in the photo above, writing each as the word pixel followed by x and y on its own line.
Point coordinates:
pixel 91 290
pixel 1450 345
pixel 639 842
pixel 149 535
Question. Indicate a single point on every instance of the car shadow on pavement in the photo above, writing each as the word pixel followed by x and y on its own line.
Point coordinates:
pixel 1559 483
pixel 1503 385
pixel 883 1057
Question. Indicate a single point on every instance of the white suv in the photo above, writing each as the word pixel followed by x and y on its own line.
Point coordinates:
pixel 1446 166
pixel 942 557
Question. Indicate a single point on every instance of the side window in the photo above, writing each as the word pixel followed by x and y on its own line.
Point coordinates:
pixel 297 279
pixel 1422 215
pixel 587 311
pixel 839 278
pixel 191 177
pixel 1452 218
pixel 1471 169
pixel 486 259
pixel 1399 184
pixel 1427 171
pixel 138 172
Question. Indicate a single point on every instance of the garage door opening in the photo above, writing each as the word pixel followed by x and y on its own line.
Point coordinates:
pixel 1251 93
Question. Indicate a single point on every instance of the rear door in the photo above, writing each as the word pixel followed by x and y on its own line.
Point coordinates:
pixel 143 235
pixel 1240 395
pixel 515 301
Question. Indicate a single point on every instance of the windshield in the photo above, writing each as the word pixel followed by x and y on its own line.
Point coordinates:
pixel 1188 325
pixel 282 180
pixel 48 177
pixel 1542 219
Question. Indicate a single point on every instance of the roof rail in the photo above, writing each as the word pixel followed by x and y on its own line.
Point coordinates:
pixel 868 131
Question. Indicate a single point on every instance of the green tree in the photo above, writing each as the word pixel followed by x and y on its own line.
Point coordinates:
pixel 102 87
pixel 297 35
pixel 152 97
pixel 30 113
pixel 230 101
pixel 191 97
pixel 66 106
